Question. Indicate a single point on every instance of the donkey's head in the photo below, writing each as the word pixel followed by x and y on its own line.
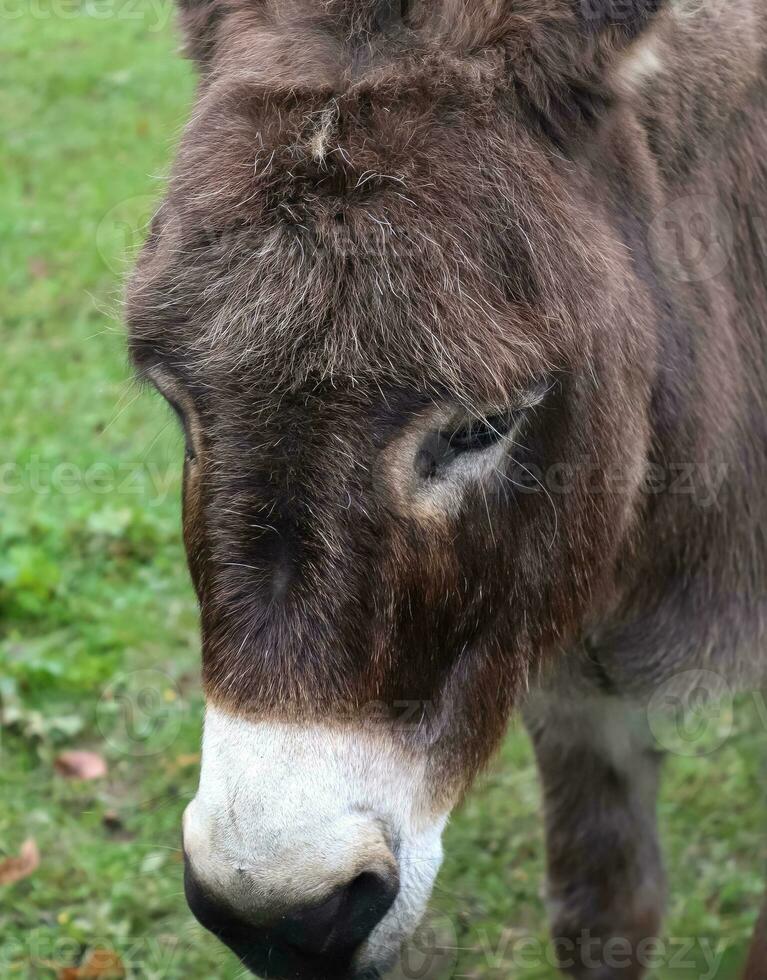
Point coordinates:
pixel 406 350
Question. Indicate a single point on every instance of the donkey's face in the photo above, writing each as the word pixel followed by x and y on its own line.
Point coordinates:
pixel 406 355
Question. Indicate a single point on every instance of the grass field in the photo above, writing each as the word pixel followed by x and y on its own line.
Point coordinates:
pixel 98 641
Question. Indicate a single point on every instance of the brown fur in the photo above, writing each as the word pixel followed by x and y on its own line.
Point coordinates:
pixel 373 213
pixel 756 964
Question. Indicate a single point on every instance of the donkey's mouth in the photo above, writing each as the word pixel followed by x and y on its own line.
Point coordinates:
pixel 285 963
pixel 267 959
pixel 270 957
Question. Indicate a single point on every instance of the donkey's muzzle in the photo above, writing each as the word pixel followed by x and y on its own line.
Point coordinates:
pixel 315 942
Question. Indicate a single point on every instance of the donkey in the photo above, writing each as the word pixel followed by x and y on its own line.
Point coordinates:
pixel 462 306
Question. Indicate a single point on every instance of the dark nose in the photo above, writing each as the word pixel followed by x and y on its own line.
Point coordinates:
pixel 315 942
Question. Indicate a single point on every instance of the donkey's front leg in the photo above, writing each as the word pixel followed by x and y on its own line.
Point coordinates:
pixel 605 875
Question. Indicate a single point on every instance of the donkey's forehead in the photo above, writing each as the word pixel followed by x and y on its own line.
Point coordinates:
pixel 297 276
pixel 312 287
pixel 404 225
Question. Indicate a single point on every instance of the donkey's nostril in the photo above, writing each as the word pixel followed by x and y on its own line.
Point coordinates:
pixel 369 898
pixel 342 921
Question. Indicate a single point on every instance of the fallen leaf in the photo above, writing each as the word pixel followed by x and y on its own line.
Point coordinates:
pixel 79 764
pixel 99 964
pixel 13 869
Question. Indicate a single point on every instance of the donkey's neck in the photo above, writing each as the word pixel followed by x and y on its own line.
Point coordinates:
pixel 697 591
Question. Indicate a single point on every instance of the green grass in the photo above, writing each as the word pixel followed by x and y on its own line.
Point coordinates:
pixel 98 641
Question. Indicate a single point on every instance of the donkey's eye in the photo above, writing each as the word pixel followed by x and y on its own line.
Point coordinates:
pixel 189 454
pixel 464 438
pixel 179 400
pixel 479 433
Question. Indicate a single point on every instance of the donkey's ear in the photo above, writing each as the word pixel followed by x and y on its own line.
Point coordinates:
pixel 620 21
pixel 200 21
pixel 619 37
pixel 586 56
